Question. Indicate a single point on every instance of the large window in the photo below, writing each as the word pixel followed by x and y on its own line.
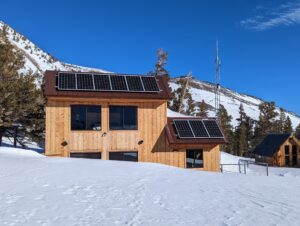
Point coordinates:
pixel 194 158
pixel 87 155
pixel 85 117
pixel 294 152
pixel 124 156
pixel 287 155
pixel 122 118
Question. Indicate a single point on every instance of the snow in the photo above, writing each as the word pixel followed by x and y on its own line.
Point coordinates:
pixel 171 113
pixel 38 190
pixel 256 169
pixel 39 61
pixel 230 99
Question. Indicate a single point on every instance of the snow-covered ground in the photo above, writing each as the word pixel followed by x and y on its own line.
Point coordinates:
pixel 8 142
pixel 256 169
pixel 37 190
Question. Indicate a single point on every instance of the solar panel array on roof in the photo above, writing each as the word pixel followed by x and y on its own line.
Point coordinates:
pixel 107 82
pixel 197 128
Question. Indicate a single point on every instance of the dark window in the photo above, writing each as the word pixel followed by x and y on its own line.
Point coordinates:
pixel 122 118
pixel 85 118
pixel 124 156
pixel 87 155
pixel 194 158
pixel 294 152
pixel 287 155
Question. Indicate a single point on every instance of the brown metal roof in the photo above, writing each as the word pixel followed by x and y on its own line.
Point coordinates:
pixel 51 90
pixel 174 141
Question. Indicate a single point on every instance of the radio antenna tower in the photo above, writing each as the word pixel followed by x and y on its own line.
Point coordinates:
pixel 217 81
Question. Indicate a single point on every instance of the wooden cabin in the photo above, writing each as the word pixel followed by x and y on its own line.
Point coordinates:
pixel 124 117
pixel 279 150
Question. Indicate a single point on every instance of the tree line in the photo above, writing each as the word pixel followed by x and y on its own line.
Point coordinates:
pixel 247 133
pixel 21 98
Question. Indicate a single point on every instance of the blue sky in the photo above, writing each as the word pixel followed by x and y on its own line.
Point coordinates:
pixel 258 40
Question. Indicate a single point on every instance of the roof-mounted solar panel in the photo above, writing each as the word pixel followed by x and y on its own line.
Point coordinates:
pixel 134 83
pixel 85 82
pixel 150 83
pixel 198 128
pixel 118 83
pixel 213 128
pixel 67 81
pixel 183 128
pixel 106 82
pixel 102 82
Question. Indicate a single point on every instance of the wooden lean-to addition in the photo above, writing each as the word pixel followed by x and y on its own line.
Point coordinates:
pixel 120 117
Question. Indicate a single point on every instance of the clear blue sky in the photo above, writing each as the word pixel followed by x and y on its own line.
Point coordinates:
pixel 259 40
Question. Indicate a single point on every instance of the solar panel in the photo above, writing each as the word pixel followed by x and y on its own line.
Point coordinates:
pixel 66 81
pixel 150 83
pixel 102 82
pixel 85 81
pixel 134 83
pixel 118 82
pixel 106 82
pixel 183 129
pixel 198 128
pixel 212 128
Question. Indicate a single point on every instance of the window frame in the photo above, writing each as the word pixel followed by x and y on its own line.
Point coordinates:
pixel 123 107
pixel 287 159
pixel 122 152
pixel 85 153
pixel 194 159
pixel 86 106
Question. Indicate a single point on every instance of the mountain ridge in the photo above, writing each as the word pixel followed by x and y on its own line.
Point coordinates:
pixel 38 61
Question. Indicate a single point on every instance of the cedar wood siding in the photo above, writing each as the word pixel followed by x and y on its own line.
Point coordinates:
pixel 152 120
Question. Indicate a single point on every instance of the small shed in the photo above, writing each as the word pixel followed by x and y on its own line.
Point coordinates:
pixel 279 150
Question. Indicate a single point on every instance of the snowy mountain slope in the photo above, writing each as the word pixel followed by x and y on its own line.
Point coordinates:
pixel 36 59
pixel 37 190
pixel 231 100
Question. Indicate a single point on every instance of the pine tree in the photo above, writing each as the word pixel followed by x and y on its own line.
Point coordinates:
pixel 203 109
pixel 240 133
pixel 162 58
pixel 190 108
pixel 182 99
pixel 297 131
pixel 18 93
pixel 266 123
pixel 280 124
pixel 225 123
pixel 288 128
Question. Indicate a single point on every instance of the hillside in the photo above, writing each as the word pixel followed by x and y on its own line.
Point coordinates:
pixel 37 190
pixel 38 61
pixel 230 99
